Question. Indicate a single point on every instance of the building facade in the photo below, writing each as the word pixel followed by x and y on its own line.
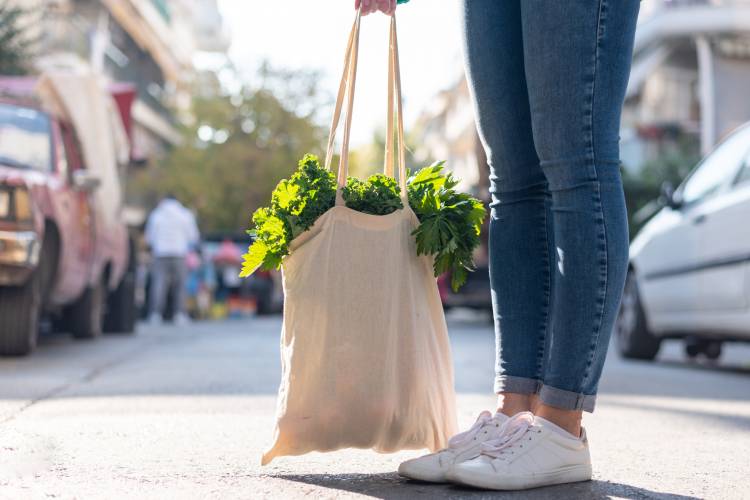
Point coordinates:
pixel 689 85
pixel 148 43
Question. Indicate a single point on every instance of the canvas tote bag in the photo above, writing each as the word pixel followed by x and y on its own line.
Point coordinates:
pixel 366 361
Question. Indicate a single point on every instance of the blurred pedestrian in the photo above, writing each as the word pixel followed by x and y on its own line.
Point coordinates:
pixel 171 233
pixel 228 263
pixel 548 80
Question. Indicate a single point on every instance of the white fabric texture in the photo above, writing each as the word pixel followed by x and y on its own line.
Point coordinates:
pixel 366 360
pixel 171 229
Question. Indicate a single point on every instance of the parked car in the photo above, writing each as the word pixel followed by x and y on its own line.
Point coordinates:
pixel 689 274
pixel 64 251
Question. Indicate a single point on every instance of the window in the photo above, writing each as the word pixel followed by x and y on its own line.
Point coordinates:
pixel 744 176
pixel 717 169
pixel 25 138
pixel 72 147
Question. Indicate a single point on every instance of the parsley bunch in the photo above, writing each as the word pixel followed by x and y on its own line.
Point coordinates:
pixel 449 227
pixel 449 222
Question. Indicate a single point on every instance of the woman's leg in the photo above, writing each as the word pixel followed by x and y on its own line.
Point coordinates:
pixel 577 63
pixel 520 224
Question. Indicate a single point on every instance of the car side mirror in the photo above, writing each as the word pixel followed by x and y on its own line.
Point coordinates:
pixel 83 180
pixel 668 197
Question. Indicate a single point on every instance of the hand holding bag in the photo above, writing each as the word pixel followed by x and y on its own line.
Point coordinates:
pixel 366 360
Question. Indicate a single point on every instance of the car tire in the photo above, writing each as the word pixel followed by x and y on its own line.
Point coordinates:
pixel 634 340
pixel 121 310
pixel 85 318
pixel 20 307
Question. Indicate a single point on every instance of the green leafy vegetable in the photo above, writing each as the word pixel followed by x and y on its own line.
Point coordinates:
pixel 378 195
pixel 296 204
pixel 450 221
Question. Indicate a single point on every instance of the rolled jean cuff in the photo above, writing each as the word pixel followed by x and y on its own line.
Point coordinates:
pixel 516 385
pixel 567 400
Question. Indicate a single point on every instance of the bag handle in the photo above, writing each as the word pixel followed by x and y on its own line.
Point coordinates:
pixel 346 94
pixel 395 98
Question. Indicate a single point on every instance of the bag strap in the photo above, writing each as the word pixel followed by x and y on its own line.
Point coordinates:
pixel 346 94
pixel 395 98
pixel 342 90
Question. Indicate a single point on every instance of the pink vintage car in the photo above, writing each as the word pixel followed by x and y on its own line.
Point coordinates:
pixel 64 248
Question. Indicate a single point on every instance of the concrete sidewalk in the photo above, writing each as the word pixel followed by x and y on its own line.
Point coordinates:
pixel 186 414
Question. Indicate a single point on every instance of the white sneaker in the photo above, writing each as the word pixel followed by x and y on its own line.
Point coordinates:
pixel 531 452
pixel 464 446
pixel 155 319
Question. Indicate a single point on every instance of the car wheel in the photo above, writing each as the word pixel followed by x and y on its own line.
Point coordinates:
pixel 709 348
pixel 20 307
pixel 121 310
pixel 634 340
pixel 84 319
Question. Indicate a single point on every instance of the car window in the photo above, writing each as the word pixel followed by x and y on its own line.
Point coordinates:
pixel 25 138
pixel 744 176
pixel 717 169
pixel 72 147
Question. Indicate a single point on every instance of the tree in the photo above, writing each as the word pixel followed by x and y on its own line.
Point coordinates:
pixel 643 188
pixel 239 148
pixel 15 44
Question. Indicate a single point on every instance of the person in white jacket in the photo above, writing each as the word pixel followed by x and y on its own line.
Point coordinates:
pixel 171 232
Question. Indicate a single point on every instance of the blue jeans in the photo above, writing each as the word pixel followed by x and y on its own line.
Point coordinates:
pixel 548 79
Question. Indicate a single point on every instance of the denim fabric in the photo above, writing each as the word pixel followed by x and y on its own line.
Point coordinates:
pixel 548 80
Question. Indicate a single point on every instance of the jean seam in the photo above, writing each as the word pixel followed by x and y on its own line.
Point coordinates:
pixel 596 334
pixel 548 292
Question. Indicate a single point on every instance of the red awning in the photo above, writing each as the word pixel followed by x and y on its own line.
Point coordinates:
pixel 124 95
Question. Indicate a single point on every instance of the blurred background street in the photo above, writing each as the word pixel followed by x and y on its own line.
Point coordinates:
pixel 186 413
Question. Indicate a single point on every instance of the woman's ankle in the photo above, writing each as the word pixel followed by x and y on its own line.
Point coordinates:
pixel 510 403
pixel 569 420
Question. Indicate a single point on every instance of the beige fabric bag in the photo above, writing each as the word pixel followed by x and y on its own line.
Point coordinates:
pixel 366 361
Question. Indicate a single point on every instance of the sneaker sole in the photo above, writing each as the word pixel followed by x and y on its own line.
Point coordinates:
pixel 564 475
pixel 422 475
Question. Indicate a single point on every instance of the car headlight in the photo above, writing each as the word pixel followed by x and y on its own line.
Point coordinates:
pixel 4 204
pixel 15 204
pixel 22 205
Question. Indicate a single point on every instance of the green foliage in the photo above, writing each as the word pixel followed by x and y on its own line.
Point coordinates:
pixel 378 195
pixel 254 141
pixel 296 204
pixel 450 222
pixel 643 188
pixel 449 228
pixel 15 45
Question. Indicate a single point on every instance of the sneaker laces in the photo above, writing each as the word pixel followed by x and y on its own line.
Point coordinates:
pixel 463 438
pixel 513 431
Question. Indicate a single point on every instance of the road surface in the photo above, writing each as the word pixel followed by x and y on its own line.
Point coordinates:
pixel 173 413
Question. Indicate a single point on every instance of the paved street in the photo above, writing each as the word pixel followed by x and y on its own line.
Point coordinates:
pixel 185 414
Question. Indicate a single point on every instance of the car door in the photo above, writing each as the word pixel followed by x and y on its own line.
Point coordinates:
pixel 76 223
pixel 683 263
pixel 722 232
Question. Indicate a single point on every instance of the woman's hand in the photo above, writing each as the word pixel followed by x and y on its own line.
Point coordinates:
pixel 369 6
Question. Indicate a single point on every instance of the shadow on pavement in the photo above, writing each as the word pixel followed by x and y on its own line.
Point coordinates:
pixel 392 486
